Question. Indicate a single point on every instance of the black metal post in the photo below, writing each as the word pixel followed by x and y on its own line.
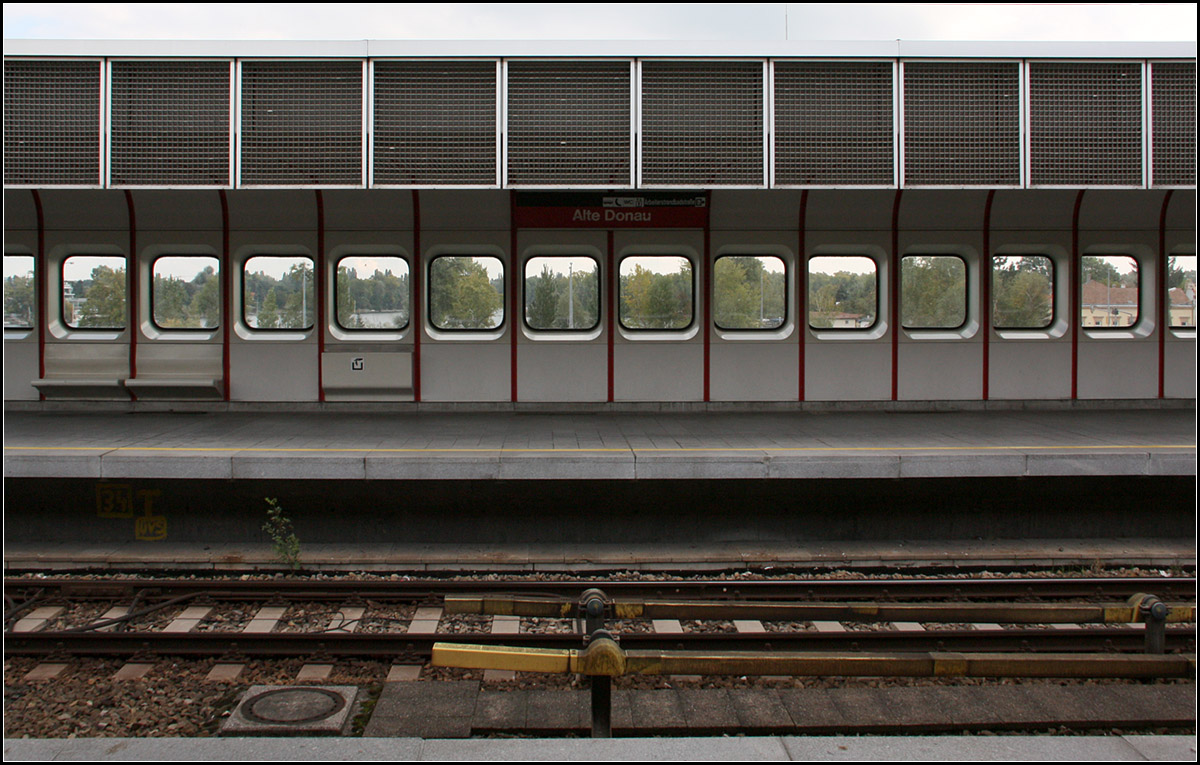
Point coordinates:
pixel 601 706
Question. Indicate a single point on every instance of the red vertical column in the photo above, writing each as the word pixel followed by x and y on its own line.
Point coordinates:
pixel 895 289
pixel 41 286
pixel 802 290
pixel 319 294
pixel 707 272
pixel 1164 298
pixel 134 276
pixel 514 280
pixel 1076 270
pixel 985 292
pixel 610 317
pixel 227 292
pixel 415 284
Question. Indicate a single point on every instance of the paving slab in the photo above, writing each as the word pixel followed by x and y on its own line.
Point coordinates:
pixel 760 709
pixel 424 710
pixel 500 711
pixel 656 711
pixel 711 710
pixel 560 710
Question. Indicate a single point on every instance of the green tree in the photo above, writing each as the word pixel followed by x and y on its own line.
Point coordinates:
pixel 578 296
pixel 170 298
pixel 1022 292
pixel 652 300
pixel 462 296
pixel 347 305
pixel 204 310
pixel 1104 271
pixel 933 291
pixel 541 300
pixel 18 301
pixel 105 300
pixel 268 314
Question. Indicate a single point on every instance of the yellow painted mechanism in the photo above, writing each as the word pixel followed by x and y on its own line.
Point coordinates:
pixel 603 657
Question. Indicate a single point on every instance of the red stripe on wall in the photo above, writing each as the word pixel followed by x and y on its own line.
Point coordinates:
pixel 1164 298
pixel 802 290
pixel 895 280
pixel 134 277
pixel 985 292
pixel 40 286
pixel 227 293
pixel 610 319
pixel 415 282
pixel 319 294
pixel 1076 270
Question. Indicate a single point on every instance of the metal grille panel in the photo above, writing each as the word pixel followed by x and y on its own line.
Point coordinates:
pixel 1173 106
pixel 435 123
pixel 833 123
pixel 962 124
pixel 702 123
pixel 52 122
pixel 569 123
pixel 170 123
pixel 301 122
pixel 1085 124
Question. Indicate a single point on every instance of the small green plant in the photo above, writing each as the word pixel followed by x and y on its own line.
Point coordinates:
pixel 285 542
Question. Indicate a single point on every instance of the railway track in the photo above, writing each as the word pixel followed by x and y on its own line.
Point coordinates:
pixel 403 620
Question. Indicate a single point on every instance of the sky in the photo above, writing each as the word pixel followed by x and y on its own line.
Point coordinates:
pixel 603 21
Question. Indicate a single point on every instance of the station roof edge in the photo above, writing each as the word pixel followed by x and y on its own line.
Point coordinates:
pixel 593 49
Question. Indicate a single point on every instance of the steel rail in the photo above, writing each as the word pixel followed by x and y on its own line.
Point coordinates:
pixel 772 589
pixel 384 645
pixel 1011 613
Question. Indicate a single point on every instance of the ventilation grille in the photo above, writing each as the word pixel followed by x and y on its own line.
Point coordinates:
pixel 833 124
pixel 435 123
pixel 1085 124
pixel 962 124
pixel 302 122
pixel 569 123
pixel 1173 105
pixel 52 122
pixel 170 123
pixel 702 124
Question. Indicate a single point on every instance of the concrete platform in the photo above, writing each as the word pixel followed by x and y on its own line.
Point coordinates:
pixel 462 709
pixel 794 748
pixel 784 444
pixel 581 558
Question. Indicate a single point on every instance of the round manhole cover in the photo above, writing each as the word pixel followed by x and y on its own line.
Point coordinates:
pixel 293 706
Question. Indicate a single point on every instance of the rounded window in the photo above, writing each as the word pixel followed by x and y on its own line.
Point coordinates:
pixel 656 292
pixel 372 292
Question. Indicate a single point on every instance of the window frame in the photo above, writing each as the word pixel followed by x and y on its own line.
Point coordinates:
pixel 152 298
pixel 1137 319
pixel 408 319
pixel 62 301
pixel 808 293
pixel 965 323
pixel 787 307
pixel 1050 321
pixel 1183 330
pixel 562 330
pixel 456 253
pixel 19 330
pixel 644 253
pixel 245 320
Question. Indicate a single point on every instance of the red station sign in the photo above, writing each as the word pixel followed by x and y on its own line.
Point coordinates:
pixel 632 209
